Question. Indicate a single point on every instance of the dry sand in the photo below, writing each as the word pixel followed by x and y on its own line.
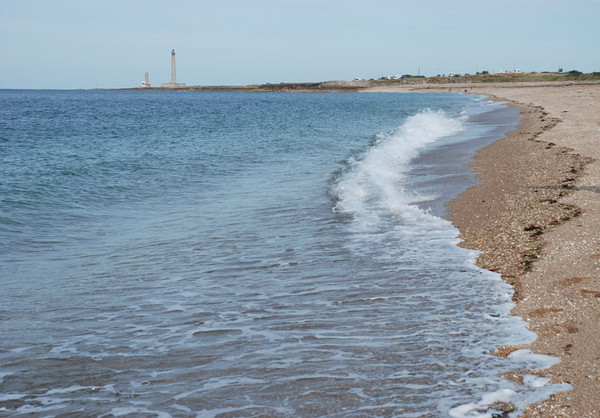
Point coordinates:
pixel 536 217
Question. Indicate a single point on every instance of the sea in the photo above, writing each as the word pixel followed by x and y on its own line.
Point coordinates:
pixel 227 254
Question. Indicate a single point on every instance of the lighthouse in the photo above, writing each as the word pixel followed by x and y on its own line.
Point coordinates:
pixel 173 83
pixel 173 77
pixel 146 82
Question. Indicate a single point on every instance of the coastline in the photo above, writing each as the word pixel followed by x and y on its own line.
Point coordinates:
pixel 558 291
pixel 536 218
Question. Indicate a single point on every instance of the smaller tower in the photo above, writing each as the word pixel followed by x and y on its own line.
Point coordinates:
pixel 146 82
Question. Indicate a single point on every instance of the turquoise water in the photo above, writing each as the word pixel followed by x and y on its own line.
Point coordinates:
pixel 227 254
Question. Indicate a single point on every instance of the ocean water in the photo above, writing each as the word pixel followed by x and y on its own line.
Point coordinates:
pixel 248 254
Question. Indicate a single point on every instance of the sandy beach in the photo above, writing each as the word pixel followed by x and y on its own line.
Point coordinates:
pixel 536 219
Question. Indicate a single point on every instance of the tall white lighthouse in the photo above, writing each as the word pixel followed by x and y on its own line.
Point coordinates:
pixel 173 76
pixel 173 83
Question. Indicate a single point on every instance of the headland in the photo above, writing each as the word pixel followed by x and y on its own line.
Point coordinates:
pixel 406 83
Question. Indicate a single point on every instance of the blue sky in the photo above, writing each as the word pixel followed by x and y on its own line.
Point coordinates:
pixel 112 43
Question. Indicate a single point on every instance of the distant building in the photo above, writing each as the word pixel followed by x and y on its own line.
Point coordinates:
pixel 146 82
pixel 173 83
pixel 392 77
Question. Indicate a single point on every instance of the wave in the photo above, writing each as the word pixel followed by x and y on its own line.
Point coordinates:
pixel 372 184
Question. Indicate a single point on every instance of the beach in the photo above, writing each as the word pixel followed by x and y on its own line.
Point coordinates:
pixel 536 219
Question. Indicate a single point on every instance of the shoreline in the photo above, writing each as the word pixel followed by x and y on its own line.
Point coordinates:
pixel 536 218
pixel 524 180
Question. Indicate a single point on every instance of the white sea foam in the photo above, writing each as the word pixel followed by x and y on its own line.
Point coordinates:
pixel 385 211
pixel 534 388
pixel 372 184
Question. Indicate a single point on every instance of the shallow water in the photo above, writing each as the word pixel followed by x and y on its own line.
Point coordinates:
pixel 246 254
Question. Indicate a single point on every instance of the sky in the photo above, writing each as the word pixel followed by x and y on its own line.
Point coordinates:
pixel 68 44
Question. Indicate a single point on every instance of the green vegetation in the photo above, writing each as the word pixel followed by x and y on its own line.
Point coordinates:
pixel 486 77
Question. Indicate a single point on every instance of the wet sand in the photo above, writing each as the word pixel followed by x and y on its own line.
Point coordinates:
pixel 536 217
